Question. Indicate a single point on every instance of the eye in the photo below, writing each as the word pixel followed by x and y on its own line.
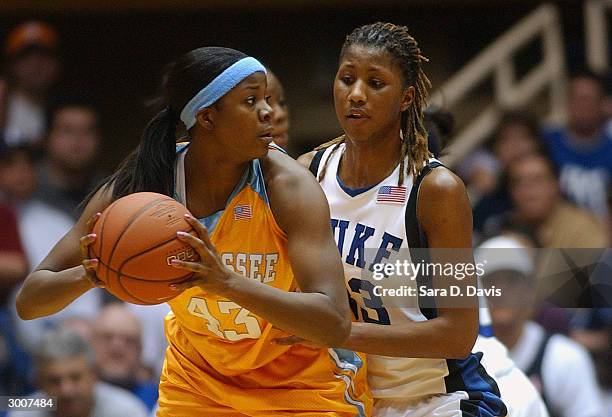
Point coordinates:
pixel 376 83
pixel 250 100
pixel 267 98
pixel 346 79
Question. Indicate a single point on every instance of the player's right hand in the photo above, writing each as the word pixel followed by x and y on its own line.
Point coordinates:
pixel 90 264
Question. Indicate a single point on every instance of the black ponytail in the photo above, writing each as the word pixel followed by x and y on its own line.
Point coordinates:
pixel 152 167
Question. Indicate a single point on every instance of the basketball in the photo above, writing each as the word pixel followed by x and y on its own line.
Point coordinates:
pixel 136 240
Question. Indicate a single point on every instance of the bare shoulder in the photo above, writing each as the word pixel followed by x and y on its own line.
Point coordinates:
pixel 282 170
pixel 442 184
pixel 292 189
pixel 306 158
pixel 444 210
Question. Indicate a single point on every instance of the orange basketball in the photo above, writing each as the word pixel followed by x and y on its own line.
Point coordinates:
pixel 136 240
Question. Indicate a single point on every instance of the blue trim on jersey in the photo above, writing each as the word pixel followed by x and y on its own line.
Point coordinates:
pixel 181 147
pixel 347 360
pixel 353 192
pixel 210 222
pixel 469 375
pixel 349 356
pixel 256 180
pixel 486 331
pixel 482 404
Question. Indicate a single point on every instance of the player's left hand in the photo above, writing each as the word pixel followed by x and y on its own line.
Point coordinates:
pixel 209 272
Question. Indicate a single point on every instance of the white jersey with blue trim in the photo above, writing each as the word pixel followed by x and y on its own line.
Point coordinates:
pixel 368 225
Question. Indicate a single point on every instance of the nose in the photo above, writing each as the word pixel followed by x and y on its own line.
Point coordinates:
pixel 266 112
pixel 357 95
pixel 67 387
pixel 280 115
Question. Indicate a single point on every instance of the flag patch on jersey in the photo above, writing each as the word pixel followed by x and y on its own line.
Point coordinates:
pixel 391 194
pixel 243 212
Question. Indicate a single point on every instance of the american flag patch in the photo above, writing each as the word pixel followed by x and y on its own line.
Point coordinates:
pixel 243 212
pixel 391 194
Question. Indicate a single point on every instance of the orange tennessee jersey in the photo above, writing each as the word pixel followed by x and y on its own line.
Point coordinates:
pixel 221 360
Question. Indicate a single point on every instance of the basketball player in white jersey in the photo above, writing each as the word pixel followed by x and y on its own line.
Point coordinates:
pixel 419 359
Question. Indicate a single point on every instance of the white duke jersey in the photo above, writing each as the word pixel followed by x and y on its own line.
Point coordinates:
pixel 369 225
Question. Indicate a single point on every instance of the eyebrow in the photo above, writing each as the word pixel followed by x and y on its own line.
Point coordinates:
pixel 252 86
pixel 372 68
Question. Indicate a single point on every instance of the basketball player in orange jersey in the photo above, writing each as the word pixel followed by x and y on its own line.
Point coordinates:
pixel 263 232
pixel 388 196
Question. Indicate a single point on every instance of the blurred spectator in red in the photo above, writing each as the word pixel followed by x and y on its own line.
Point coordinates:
pixel 14 363
pixel 13 265
pixel 117 343
pixel 40 227
pixel 65 370
pixel 39 224
pixel 33 69
pixel 558 366
pixel 583 149
pixel 67 173
pixel 540 208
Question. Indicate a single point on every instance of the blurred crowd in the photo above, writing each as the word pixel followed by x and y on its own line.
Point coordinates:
pixel 531 186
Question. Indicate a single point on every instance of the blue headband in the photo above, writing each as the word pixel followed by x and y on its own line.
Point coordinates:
pixel 219 87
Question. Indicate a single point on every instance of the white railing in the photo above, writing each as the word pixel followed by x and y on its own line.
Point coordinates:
pixel 597 35
pixel 509 93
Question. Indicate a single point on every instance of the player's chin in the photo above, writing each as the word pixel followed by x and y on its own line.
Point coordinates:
pixel 263 145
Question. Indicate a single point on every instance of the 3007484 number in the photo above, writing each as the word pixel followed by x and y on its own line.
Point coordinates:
pixel 27 403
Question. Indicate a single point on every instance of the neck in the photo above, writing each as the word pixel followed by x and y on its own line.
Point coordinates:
pixel 210 177
pixel 367 163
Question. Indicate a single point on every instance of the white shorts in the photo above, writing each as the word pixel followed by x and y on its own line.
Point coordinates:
pixel 456 404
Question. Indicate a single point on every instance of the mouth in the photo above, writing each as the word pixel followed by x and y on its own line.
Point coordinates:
pixel 267 135
pixel 357 114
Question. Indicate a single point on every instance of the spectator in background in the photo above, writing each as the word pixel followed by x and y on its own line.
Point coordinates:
pixel 280 117
pixel 33 69
pixel 14 364
pixel 65 369
pixel 40 227
pixel 560 367
pixel 540 208
pixel 583 149
pixel 68 173
pixel 117 343
pixel 13 265
pixel 516 137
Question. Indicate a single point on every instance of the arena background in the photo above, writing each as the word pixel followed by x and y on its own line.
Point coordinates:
pixel 116 51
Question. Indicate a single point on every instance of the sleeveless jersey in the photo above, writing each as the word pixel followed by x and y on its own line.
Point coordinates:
pixel 221 359
pixel 369 225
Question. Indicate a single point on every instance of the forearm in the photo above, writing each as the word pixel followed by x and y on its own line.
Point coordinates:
pixel 46 292
pixel 311 316
pixel 436 338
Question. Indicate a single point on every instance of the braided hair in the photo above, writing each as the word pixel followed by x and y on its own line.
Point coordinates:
pixel 405 52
